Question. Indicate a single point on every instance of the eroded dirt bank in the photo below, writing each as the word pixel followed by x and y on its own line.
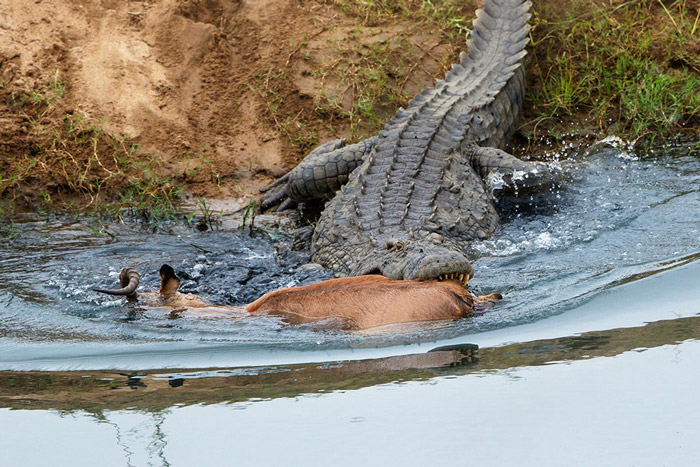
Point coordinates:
pixel 220 95
pixel 105 100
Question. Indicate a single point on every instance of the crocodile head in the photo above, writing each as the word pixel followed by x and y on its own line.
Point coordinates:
pixel 406 258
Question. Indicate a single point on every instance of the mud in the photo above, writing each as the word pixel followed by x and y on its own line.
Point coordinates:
pixel 218 96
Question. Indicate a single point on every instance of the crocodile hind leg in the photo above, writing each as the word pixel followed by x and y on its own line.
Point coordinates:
pixel 507 175
pixel 319 175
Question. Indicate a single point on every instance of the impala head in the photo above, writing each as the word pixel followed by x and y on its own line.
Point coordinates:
pixel 129 280
pixel 169 282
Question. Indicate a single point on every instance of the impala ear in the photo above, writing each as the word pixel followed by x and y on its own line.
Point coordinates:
pixel 490 298
pixel 169 282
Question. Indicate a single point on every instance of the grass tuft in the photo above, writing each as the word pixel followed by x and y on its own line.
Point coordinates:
pixel 630 68
pixel 67 156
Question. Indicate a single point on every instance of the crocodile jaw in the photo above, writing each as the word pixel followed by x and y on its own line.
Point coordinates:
pixel 440 264
pixel 419 261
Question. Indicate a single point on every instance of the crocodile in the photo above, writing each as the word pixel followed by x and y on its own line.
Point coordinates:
pixel 407 202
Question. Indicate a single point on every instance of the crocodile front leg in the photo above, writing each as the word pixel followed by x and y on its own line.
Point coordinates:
pixel 319 175
pixel 510 176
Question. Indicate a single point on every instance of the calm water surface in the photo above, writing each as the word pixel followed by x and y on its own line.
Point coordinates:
pixel 591 359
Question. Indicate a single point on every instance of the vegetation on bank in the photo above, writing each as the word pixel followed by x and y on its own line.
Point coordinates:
pixel 629 68
pixel 79 160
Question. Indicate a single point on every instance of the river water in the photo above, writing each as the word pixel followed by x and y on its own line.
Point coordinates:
pixel 592 353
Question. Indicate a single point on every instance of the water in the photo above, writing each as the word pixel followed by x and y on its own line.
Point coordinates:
pixel 594 399
pixel 591 358
pixel 622 216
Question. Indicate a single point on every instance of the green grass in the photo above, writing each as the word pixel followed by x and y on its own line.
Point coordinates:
pixel 72 164
pixel 67 153
pixel 631 68
pixel 53 94
pixel 8 231
pixel 208 219
pixel 270 87
pixel 374 77
pixel 83 160
pixel 625 67
pixel 450 17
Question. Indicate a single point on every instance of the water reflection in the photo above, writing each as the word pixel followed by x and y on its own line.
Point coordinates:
pixel 614 388
pixel 133 381
pixel 160 389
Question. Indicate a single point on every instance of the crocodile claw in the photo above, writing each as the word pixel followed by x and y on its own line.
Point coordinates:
pixel 287 204
pixel 278 195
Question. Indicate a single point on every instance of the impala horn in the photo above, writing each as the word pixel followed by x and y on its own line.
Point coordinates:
pixel 129 280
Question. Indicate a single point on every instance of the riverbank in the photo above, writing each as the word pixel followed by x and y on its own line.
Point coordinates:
pixel 152 105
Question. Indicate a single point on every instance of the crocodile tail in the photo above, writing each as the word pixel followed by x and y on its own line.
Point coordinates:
pixel 500 32
pixel 496 48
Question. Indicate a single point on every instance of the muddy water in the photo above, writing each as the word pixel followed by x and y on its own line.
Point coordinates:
pixel 592 353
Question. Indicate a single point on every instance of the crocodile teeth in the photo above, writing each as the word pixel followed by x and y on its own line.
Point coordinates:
pixel 461 279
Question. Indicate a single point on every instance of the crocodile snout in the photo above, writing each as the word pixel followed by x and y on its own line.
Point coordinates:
pixel 405 260
pixel 441 265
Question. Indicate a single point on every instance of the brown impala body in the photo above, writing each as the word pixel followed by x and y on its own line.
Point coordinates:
pixel 359 302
